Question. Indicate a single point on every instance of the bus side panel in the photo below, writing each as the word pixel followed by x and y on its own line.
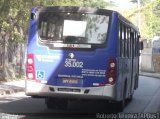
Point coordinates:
pixel 114 47
pixel 128 67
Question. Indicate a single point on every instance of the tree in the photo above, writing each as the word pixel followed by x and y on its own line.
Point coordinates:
pixel 150 17
pixel 142 2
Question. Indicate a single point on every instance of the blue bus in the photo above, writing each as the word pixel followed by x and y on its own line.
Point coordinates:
pixel 81 53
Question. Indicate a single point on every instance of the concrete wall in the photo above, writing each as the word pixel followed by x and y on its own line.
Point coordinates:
pixel 156 62
pixel 146 60
pixel 150 56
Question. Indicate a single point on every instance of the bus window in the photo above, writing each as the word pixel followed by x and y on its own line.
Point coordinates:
pixel 137 49
pixel 132 43
pixel 124 40
pixel 73 27
pixel 120 39
pixel 128 42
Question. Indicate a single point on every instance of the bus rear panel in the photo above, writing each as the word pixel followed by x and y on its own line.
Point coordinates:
pixel 68 54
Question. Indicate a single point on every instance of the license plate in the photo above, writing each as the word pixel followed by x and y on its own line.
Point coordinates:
pixel 70 82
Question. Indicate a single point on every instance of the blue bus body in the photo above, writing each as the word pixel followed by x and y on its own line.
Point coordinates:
pixel 78 70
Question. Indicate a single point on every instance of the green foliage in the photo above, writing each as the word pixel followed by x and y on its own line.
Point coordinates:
pixel 152 20
pixel 14 18
pixel 149 16
pixel 142 2
pixel 85 3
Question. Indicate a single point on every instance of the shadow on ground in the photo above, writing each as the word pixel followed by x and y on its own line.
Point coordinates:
pixel 32 108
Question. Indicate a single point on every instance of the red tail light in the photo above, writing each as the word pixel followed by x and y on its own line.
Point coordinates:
pixel 111 73
pixel 30 67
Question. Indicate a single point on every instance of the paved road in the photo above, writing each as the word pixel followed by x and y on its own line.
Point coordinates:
pixel 146 99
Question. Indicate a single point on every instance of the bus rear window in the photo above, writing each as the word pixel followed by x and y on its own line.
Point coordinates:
pixel 74 28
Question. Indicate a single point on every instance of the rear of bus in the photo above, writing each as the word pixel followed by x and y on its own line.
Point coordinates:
pixel 71 54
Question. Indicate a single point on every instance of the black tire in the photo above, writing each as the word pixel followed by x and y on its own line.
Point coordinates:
pixel 55 103
pixel 136 82
pixel 121 104
pixel 130 98
pixel 49 103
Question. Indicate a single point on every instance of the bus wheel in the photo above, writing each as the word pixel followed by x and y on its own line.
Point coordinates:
pixel 136 82
pixel 55 103
pixel 130 98
pixel 121 104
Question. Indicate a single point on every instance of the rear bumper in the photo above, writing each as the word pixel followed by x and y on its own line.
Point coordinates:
pixel 42 90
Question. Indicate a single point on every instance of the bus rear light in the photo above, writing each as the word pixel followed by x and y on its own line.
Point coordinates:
pixel 110 79
pixel 112 65
pixel 30 76
pixel 111 73
pixel 30 61
pixel 30 67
